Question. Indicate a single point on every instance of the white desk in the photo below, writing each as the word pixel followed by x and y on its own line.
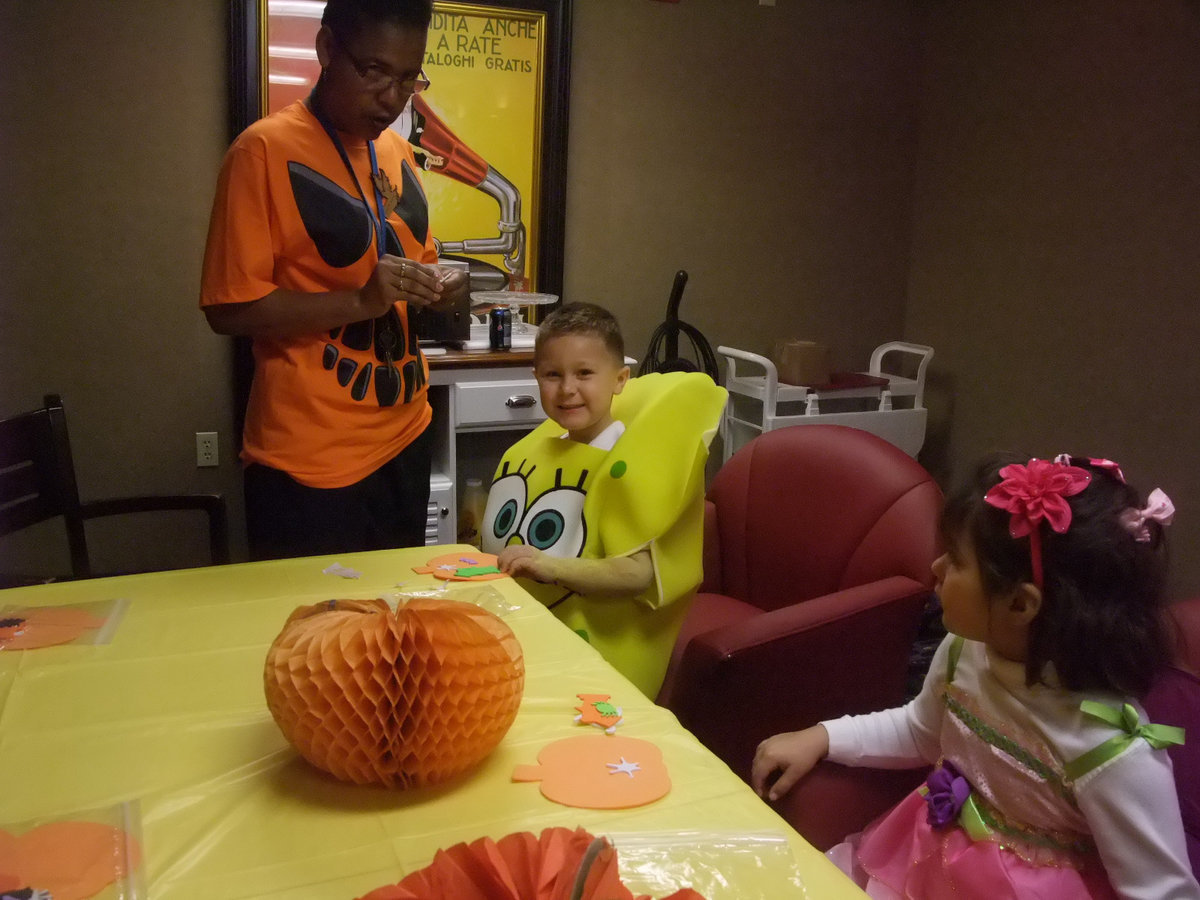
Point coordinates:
pixel 482 401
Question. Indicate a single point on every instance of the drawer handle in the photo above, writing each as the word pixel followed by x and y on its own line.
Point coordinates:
pixel 520 401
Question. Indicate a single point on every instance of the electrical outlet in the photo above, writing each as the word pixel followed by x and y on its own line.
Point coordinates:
pixel 206 449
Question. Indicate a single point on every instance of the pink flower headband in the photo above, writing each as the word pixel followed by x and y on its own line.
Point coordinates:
pixel 1038 491
pixel 1034 492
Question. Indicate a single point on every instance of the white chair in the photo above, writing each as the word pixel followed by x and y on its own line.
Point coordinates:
pixel 880 401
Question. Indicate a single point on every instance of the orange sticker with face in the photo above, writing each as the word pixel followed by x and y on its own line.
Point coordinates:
pixel 598 771
pixel 70 860
pixel 471 566
pixel 29 629
pixel 596 710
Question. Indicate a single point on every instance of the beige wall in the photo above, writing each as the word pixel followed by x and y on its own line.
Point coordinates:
pixel 1056 238
pixel 1017 188
pixel 109 142
pixel 767 151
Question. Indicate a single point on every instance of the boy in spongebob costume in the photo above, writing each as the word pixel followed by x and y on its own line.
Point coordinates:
pixel 571 499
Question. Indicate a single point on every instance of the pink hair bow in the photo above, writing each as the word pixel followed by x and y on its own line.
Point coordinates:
pixel 1033 492
pixel 1158 508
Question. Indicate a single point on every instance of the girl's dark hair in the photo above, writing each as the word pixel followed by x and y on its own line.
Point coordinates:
pixel 346 18
pixel 1101 619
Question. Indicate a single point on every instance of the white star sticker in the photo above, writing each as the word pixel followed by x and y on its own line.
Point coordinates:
pixel 627 767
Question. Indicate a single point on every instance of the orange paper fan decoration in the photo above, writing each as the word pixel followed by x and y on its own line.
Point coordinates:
pixel 403 699
pixel 558 864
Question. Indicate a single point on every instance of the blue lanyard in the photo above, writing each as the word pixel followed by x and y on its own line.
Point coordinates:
pixel 378 197
pixel 378 215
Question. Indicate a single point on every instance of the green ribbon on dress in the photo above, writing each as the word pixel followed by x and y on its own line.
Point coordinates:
pixel 970 818
pixel 1126 719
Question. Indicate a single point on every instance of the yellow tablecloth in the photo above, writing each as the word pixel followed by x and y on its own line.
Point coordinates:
pixel 171 714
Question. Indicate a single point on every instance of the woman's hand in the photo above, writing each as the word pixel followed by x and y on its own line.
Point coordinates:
pixel 456 282
pixel 396 278
pixel 792 755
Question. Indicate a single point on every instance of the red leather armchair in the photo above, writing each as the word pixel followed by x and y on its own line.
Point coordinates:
pixel 818 545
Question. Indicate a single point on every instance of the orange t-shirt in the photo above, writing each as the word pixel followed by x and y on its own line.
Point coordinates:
pixel 326 408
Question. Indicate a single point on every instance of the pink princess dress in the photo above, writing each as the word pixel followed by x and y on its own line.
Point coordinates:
pixel 1001 820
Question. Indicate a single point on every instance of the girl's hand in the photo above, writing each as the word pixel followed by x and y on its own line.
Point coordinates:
pixel 791 755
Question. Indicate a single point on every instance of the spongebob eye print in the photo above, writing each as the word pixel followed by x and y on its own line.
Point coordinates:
pixel 552 523
pixel 505 506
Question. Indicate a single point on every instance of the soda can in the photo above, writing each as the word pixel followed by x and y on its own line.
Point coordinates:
pixel 500 328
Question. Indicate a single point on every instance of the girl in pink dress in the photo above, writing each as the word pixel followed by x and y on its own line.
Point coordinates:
pixel 1048 782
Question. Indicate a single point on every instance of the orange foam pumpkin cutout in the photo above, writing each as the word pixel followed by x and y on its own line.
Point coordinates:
pixel 404 699
pixel 47 626
pixel 70 860
pixel 468 566
pixel 599 772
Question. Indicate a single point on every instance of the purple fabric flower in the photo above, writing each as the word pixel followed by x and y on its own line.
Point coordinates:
pixel 948 791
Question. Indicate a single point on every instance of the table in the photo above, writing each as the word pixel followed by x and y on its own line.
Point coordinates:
pixel 171 714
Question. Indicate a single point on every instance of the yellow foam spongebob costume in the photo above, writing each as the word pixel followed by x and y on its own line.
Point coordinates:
pixel 569 499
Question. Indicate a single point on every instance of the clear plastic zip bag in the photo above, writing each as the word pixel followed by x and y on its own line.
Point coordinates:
pixel 96 853
pixel 721 865
pixel 33 627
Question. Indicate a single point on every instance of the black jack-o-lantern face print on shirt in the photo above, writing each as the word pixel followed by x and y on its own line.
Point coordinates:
pixel 364 354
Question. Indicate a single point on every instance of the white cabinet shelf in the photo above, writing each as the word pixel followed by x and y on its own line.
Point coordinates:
pixel 482 403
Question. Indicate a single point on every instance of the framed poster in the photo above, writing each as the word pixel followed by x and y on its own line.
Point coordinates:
pixel 490 132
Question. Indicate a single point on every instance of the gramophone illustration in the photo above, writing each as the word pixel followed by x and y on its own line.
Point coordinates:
pixel 440 150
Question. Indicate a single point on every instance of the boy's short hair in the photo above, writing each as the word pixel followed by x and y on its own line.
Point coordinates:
pixel 582 318
pixel 346 18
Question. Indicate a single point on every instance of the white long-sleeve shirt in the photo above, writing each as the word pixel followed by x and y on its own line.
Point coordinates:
pixel 1128 804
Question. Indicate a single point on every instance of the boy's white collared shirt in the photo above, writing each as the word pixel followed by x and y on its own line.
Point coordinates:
pixel 607 439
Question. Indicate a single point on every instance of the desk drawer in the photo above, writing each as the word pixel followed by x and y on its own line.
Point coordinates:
pixel 497 403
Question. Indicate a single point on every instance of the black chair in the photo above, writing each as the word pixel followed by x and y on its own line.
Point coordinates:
pixel 37 482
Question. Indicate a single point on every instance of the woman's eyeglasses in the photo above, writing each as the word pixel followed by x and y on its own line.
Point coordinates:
pixel 377 79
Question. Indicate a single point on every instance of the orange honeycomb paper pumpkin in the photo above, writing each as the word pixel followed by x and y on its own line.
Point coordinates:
pixel 406 698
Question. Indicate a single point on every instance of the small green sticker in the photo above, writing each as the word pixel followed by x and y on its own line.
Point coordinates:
pixel 618 469
pixel 471 571
pixel 583 634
